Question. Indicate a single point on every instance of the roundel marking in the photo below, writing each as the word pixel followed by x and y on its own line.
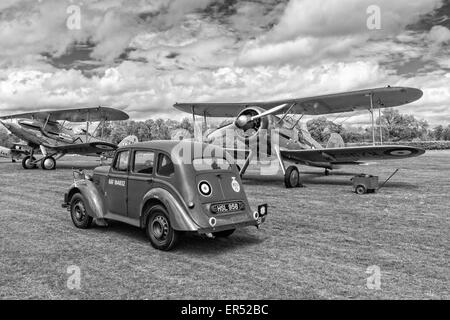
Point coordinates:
pixel 400 152
pixel 205 188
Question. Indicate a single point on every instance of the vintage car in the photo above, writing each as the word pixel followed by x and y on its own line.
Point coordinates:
pixel 166 188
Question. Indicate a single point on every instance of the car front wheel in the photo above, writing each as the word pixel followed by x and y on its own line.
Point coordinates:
pixel 161 234
pixel 78 212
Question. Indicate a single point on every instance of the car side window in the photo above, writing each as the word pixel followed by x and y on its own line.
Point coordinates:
pixel 121 161
pixel 144 162
pixel 165 166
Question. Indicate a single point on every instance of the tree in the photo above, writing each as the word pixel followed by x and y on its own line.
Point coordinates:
pixel 402 126
pixel 446 133
pixel 438 132
pixel 321 128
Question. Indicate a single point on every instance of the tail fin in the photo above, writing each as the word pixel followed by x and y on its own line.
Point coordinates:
pixel 128 141
pixel 335 141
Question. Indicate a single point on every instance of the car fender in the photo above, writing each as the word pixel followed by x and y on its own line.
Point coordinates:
pixel 95 205
pixel 178 215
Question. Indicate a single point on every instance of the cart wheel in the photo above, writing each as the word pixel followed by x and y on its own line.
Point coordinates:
pixel 78 212
pixel 292 177
pixel 360 189
pixel 161 234
pixel 223 234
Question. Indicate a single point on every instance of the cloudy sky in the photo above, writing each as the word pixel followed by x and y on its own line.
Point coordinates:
pixel 145 55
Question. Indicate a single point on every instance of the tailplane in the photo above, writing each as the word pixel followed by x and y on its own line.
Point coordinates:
pixel 335 141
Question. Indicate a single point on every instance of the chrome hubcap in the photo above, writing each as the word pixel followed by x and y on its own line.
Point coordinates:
pixel 160 228
pixel 79 212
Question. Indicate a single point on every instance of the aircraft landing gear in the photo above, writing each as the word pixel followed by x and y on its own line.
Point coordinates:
pixel 29 163
pixel 48 163
pixel 292 177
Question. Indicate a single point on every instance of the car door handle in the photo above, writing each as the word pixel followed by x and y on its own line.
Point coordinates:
pixel 150 180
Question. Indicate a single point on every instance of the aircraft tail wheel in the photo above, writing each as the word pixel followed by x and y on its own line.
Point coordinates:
pixel 48 163
pixel 27 162
pixel 292 177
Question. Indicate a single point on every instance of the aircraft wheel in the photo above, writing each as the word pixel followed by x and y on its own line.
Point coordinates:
pixel 48 163
pixel 78 212
pixel 360 189
pixel 161 234
pixel 292 177
pixel 27 163
pixel 223 234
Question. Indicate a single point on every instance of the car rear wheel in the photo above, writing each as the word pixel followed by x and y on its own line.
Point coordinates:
pixel 78 212
pixel 224 234
pixel 161 234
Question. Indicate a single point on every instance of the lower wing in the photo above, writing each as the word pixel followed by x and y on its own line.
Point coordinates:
pixel 85 148
pixel 352 154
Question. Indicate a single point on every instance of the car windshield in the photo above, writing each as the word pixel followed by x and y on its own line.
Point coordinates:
pixel 206 164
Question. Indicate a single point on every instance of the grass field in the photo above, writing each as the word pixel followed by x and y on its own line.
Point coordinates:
pixel 317 243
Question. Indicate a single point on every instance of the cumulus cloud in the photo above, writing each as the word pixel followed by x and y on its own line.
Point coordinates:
pixel 143 56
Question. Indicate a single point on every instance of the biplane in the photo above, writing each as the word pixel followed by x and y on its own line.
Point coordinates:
pixel 287 141
pixel 49 132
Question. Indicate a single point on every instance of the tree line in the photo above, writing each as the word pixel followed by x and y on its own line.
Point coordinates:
pixel 395 127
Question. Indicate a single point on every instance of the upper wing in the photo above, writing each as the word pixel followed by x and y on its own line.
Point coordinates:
pixel 85 148
pixel 331 103
pixel 351 154
pixel 75 115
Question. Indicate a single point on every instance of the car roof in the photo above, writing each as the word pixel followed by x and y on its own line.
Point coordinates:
pixel 168 145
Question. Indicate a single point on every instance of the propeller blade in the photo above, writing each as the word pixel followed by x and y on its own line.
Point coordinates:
pixel 270 111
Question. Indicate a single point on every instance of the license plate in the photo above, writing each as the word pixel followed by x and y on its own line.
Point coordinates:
pixel 227 207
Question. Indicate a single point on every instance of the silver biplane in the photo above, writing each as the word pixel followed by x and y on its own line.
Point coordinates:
pixel 258 121
pixel 47 131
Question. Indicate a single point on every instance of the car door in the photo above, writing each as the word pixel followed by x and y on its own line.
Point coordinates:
pixel 140 180
pixel 116 184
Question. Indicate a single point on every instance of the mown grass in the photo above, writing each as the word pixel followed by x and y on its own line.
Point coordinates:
pixel 317 243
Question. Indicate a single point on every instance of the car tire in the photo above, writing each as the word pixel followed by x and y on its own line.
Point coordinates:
pixel 360 189
pixel 223 234
pixel 292 177
pixel 159 230
pixel 78 212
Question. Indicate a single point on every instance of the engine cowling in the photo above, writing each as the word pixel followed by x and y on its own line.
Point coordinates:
pixel 248 128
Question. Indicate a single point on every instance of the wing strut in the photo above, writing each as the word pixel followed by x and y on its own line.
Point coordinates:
pixel 381 128
pixel 371 115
